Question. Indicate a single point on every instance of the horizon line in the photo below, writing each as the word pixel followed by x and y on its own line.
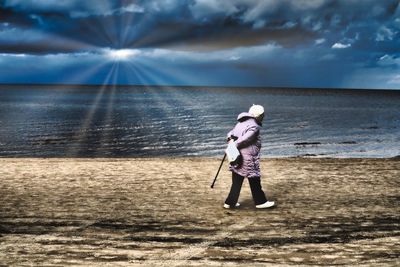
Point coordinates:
pixel 196 86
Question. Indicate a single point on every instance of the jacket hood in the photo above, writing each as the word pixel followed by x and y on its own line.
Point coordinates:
pixel 244 115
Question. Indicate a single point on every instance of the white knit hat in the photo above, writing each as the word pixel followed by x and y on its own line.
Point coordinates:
pixel 256 110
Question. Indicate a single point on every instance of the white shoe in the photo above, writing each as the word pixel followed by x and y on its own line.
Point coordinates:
pixel 266 205
pixel 226 206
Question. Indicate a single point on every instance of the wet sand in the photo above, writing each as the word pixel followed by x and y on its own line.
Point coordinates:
pixel 162 212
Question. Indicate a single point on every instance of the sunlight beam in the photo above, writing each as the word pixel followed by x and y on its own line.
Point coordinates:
pixel 121 54
pixel 106 134
pixel 81 135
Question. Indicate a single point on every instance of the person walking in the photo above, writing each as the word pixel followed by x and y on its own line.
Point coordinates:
pixel 246 137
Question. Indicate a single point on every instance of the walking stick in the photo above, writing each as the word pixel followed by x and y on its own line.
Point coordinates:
pixel 215 179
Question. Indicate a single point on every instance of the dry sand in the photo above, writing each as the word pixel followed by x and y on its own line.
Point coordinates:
pixel 129 212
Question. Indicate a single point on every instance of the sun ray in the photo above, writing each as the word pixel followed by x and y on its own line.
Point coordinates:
pixel 179 74
pixel 106 134
pixel 64 44
pixel 155 72
pixel 99 29
pixel 160 105
pixel 82 76
pixel 81 134
pixel 128 19
pixel 170 104
pixel 180 101
pixel 54 98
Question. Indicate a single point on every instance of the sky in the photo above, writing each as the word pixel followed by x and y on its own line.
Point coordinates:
pixel 269 43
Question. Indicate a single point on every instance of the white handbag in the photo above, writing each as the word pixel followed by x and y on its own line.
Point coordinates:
pixel 232 153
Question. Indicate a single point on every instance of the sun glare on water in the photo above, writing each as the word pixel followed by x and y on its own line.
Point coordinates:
pixel 122 54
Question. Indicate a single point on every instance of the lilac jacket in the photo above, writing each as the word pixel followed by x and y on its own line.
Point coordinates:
pixel 247 131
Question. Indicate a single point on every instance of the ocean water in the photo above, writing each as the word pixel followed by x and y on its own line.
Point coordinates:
pixel 90 121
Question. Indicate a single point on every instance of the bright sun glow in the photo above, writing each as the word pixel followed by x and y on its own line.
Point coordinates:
pixel 122 54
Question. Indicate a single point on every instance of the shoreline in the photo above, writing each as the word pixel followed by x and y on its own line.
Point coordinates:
pixel 197 157
pixel 161 211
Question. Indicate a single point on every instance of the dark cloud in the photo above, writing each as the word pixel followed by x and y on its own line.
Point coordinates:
pixel 203 38
pixel 202 24
pixel 309 38
pixel 74 8
pixel 44 48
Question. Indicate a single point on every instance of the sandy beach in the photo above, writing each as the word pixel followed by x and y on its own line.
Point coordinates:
pixel 162 212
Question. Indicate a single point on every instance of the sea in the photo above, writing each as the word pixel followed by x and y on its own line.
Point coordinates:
pixel 154 121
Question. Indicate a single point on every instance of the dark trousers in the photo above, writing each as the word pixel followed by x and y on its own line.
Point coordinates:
pixel 255 186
